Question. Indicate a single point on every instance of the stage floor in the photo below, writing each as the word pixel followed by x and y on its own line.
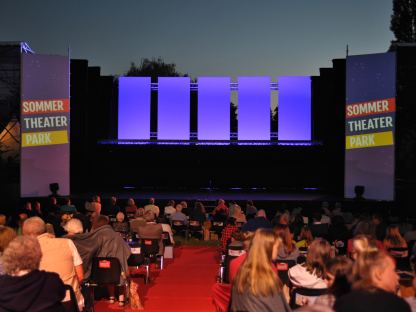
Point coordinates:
pixel 207 195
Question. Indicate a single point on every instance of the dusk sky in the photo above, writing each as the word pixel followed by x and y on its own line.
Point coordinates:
pixel 204 38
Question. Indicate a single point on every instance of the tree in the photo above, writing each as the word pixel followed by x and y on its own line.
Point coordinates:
pixel 154 68
pixel 403 20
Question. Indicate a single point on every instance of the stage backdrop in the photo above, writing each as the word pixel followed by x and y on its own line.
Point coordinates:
pixel 44 124
pixel 370 125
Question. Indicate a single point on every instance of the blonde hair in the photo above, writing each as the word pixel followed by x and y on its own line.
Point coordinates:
pixel 363 244
pixel 364 266
pixel 7 234
pixel 23 253
pixel 256 274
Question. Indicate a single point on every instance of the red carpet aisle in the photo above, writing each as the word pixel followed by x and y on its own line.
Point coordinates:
pixel 184 285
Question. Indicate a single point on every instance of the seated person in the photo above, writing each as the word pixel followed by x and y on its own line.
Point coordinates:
pixel 178 215
pixel 67 207
pixel 239 215
pixel 24 287
pixel 263 292
pixel 152 207
pixel 288 249
pixel 170 208
pixel 226 233
pixel 260 221
pixel 198 213
pixel 151 230
pixel 338 271
pixel 375 283
pixel 312 273
pixel 120 225
pixel 73 226
pixel 305 238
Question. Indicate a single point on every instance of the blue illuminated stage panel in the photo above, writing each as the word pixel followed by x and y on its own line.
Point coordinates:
pixel 294 105
pixel 254 108
pixel 173 119
pixel 214 108
pixel 134 108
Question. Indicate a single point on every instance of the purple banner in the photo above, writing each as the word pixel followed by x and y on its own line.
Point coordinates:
pixel 254 108
pixel 45 113
pixel 174 108
pixel 134 108
pixel 370 125
pixel 214 108
pixel 294 108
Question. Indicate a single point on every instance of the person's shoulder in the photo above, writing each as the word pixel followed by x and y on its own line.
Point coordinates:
pixel 377 300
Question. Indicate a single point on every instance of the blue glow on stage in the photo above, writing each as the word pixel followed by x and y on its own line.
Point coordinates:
pixel 208 143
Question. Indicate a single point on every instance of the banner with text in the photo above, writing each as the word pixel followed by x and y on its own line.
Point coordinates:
pixel 370 125
pixel 45 112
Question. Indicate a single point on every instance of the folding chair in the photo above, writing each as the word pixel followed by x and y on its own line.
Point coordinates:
pixel 195 227
pixel 216 228
pixel 233 252
pixel 104 271
pixel 72 304
pixel 283 267
pixel 180 227
pixel 150 249
pixel 401 255
pixel 301 296
pixel 138 259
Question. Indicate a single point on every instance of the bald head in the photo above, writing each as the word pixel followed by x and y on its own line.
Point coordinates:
pixel 34 226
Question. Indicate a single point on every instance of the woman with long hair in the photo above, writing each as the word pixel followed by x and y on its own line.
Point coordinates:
pixel 287 249
pixel 312 273
pixel 256 286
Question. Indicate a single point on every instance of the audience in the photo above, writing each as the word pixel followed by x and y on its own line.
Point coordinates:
pixel 178 215
pixel 152 207
pixel 287 249
pixel 220 212
pixel 112 208
pixel 367 282
pixel 67 206
pixel 120 225
pixel 239 215
pixel 7 234
pixel 170 208
pixel 305 238
pixel 24 287
pixel 251 210
pixel 59 255
pixel 199 213
pixel 256 286
pixel 131 208
pixel 226 233
pixel 260 221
